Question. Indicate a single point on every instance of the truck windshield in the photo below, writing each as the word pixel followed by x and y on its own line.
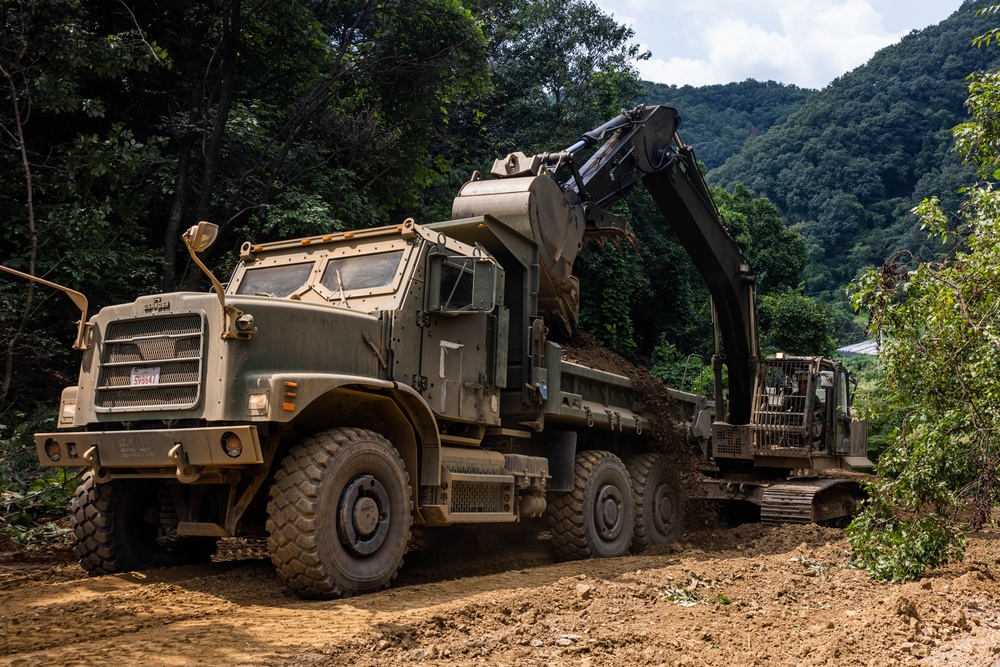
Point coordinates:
pixel 361 271
pixel 276 281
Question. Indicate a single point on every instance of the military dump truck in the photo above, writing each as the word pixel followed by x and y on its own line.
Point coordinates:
pixel 344 390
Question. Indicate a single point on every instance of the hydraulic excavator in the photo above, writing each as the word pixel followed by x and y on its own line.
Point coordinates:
pixel 780 414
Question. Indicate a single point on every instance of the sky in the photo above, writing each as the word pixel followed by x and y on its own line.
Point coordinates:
pixel 803 42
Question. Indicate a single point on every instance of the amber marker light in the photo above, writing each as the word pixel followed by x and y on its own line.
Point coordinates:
pixel 53 450
pixel 232 445
pixel 289 403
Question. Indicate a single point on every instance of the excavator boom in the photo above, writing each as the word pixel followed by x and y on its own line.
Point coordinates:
pixel 640 145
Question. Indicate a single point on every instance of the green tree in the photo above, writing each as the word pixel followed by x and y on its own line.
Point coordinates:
pixel 939 330
pixel 564 67
pixel 66 210
pixel 777 253
pixel 793 323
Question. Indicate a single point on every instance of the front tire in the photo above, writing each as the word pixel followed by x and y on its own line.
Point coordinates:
pixel 116 527
pixel 659 508
pixel 596 519
pixel 339 514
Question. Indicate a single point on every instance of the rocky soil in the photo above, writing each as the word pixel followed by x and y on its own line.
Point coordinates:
pixel 750 595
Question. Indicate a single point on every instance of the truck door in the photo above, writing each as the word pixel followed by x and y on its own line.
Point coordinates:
pixel 463 356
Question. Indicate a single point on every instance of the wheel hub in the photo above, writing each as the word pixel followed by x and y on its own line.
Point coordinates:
pixel 363 515
pixel 608 512
pixel 663 509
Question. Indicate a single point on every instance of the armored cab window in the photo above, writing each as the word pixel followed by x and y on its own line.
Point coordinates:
pixel 346 274
pixel 462 284
pixel 456 285
pixel 275 281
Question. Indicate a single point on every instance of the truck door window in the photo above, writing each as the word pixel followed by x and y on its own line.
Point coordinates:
pixel 843 400
pixel 361 271
pixel 456 285
pixel 462 284
pixel 275 281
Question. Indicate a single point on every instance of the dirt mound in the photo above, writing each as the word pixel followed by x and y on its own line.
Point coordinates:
pixel 665 433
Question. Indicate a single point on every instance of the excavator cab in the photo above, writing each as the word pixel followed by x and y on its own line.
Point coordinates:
pixel 801 414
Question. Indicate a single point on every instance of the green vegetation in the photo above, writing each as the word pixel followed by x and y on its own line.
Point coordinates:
pixel 850 163
pixel 939 330
pixel 718 120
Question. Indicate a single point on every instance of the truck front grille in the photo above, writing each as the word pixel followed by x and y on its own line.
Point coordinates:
pixel 151 363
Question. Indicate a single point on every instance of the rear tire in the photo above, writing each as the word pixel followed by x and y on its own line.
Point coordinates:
pixel 339 514
pixel 659 504
pixel 596 519
pixel 116 525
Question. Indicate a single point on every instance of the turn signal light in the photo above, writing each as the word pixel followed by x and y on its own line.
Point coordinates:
pixel 232 445
pixel 53 450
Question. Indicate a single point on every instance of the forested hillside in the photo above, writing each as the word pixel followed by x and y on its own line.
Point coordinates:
pixel 846 167
pixel 718 119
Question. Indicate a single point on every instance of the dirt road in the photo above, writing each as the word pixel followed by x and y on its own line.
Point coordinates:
pixel 751 595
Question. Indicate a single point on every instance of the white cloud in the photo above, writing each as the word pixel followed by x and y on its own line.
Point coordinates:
pixel 805 42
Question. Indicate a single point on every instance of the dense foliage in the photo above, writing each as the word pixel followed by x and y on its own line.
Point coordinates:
pixel 848 165
pixel 717 120
pixel 939 330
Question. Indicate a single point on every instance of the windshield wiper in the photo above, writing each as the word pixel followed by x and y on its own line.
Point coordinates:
pixel 340 289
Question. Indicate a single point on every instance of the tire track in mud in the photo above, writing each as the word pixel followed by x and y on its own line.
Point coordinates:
pixel 750 595
pixel 219 613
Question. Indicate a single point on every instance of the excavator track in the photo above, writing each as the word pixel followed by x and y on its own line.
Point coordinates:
pixel 810 501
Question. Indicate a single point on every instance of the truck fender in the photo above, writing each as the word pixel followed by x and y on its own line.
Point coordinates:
pixel 392 409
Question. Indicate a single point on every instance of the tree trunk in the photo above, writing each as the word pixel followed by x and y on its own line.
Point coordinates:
pixel 8 375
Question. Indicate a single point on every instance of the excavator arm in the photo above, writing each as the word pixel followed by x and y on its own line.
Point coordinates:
pixel 640 145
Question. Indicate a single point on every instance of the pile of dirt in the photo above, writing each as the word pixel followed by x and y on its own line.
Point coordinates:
pixel 664 433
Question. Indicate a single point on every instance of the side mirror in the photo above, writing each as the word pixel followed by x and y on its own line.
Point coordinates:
pixel 201 236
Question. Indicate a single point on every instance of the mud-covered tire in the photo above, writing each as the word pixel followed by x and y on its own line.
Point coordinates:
pixel 596 519
pixel 115 529
pixel 659 503
pixel 339 514
pixel 422 538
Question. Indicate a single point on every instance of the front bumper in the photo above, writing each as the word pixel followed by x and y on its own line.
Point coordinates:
pixel 182 453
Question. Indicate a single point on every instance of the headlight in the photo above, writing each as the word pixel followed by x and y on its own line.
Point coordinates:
pixel 67 407
pixel 53 450
pixel 257 404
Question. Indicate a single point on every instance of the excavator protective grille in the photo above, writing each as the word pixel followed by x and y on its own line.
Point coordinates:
pixel 151 363
pixel 778 419
pixel 731 441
